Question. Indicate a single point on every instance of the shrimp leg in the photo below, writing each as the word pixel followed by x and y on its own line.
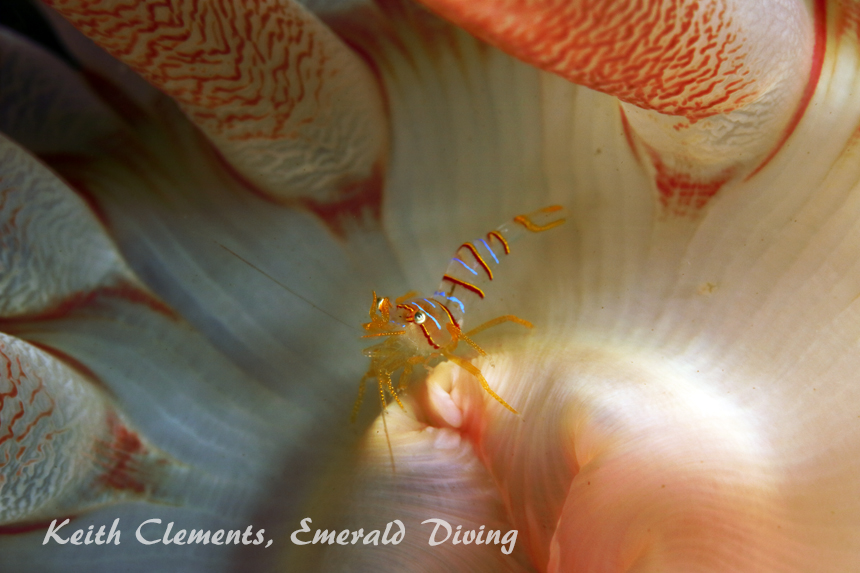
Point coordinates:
pixel 385 423
pixel 499 320
pixel 357 406
pixel 474 371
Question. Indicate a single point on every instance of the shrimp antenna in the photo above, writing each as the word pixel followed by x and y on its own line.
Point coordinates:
pixel 280 284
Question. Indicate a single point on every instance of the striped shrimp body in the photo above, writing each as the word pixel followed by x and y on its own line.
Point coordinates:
pixel 419 330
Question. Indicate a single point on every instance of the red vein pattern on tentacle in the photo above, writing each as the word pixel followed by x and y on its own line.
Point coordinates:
pixel 682 194
pixel 48 444
pixel 294 113
pixel 675 57
pixel 120 458
pixel 26 411
pixel 239 67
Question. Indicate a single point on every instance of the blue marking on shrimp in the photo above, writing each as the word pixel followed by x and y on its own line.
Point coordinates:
pixel 468 268
pixel 453 299
pixel 492 254
pixel 430 303
pixel 439 326
pixel 457 300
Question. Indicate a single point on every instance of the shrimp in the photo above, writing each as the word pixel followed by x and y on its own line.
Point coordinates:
pixel 419 330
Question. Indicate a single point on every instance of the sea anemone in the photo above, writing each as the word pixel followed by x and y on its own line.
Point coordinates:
pixel 197 199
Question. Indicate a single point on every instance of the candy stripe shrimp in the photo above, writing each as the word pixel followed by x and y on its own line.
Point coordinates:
pixel 419 330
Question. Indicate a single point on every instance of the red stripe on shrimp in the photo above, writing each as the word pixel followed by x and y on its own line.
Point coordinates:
pixel 479 258
pixel 464 284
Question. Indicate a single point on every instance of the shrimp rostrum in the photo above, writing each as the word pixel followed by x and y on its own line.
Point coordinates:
pixel 418 330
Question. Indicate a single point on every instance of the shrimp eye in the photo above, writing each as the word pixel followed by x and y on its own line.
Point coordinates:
pixel 419 317
pixel 383 304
